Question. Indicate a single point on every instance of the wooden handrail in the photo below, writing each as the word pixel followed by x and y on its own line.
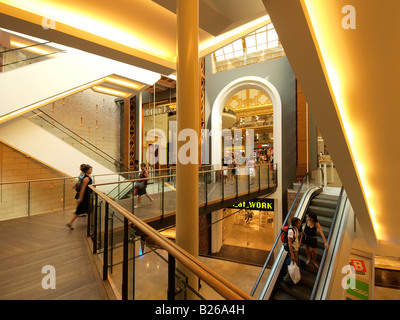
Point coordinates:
pixel 115 173
pixel 170 176
pixel 226 289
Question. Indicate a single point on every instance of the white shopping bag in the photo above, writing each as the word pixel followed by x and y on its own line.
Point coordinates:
pixel 294 272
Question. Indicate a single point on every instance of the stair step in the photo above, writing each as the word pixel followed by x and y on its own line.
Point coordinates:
pixel 308 277
pixel 327 197
pixel 327 203
pixel 282 295
pixel 303 254
pixel 325 230
pixel 325 222
pixel 321 211
pixel 298 291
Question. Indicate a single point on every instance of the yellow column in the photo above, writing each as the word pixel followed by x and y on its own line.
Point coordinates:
pixel 188 106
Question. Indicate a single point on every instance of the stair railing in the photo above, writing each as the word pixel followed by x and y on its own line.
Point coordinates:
pixel 82 141
pixel 31 58
pixel 175 253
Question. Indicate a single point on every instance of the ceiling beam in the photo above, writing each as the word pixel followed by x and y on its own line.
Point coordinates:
pixel 89 43
pixel 294 33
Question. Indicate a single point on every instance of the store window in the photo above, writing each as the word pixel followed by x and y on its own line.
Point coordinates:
pixel 247 232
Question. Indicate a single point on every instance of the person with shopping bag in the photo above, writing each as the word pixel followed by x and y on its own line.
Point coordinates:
pixel 293 274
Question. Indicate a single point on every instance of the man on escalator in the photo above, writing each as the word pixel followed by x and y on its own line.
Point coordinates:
pixel 294 244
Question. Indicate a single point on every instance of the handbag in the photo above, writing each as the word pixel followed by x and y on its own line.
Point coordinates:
pixel 139 185
pixel 294 272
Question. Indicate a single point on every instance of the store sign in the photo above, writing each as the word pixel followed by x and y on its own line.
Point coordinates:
pixel 361 291
pixel 261 205
pixel 362 265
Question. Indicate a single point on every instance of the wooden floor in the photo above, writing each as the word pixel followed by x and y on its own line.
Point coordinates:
pixel 28 244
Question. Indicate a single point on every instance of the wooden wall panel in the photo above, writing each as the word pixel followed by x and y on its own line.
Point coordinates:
pixel 303 135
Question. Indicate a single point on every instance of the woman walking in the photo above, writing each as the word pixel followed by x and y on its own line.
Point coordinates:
pixel 83 195
pixel 142 185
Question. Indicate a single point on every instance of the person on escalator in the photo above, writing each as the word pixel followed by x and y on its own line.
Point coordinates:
pixel 293 243
pixel 310 228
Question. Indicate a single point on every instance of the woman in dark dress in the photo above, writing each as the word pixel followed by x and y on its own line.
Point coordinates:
pixel 83 195
pixel 142 189
pixel 310 238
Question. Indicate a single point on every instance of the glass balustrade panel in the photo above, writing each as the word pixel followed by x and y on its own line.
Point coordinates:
pixel 14 200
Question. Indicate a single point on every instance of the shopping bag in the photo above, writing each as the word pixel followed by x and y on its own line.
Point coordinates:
pixel 294 272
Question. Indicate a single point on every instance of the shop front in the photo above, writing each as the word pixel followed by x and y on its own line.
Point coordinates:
pixel 245 232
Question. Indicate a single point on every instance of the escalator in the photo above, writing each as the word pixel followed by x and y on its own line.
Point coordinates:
pixel 332 208
pixel 323 205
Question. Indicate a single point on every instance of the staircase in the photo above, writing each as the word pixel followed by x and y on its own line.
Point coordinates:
pixel 323 205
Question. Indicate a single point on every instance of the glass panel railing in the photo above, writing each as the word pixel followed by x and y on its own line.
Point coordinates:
pixel 159 197
pixel 25 198
pixel 14 200
pixel 144 265
pixel 21 55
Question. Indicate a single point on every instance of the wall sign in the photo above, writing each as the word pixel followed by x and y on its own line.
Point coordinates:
pixel 261 205
pixel 363 267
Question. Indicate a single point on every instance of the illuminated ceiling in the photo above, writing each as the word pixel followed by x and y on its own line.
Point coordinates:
pixel 140 32
pixel 350 80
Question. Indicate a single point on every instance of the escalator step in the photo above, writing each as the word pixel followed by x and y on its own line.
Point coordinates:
pixel 321 211
pixel 298 291
pixel 303 255
pixel 308 276
pixel 324 221
pixel 326 196
pixel 282 295
pixel 324 203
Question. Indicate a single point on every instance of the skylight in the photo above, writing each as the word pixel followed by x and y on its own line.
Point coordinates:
pixel 260 45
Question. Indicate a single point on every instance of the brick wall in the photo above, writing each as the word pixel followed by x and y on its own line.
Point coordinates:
pixel 21 199
pixel 93 116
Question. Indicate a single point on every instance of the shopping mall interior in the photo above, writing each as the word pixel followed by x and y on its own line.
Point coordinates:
pixel 236 119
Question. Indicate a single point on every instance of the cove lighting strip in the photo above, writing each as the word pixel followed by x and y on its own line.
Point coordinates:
pixel 36 105
pixel 334 72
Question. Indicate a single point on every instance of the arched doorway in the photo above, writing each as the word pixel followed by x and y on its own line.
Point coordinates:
pixel 260 84
pixel 226 93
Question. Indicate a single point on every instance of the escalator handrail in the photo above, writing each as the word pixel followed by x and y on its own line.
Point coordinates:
pixel 22 48
pixel 32 58
pixel 324 255
pixel 280 231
